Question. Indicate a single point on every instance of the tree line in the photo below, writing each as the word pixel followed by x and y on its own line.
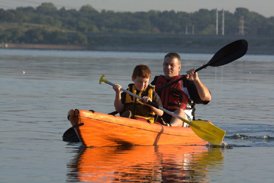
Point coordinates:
pixel 46 24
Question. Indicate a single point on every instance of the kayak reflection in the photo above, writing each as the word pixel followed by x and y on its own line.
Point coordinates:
pixel 144 164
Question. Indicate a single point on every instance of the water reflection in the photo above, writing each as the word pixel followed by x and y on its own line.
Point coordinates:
pixel 144 164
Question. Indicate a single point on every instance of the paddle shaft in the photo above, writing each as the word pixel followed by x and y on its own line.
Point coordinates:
pixel 124 90
pixel 202 67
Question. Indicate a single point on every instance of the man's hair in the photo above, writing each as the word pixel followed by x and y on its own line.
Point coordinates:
pixel 172 55
pixel 141 71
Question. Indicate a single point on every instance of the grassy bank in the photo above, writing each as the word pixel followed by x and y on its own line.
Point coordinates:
pixel 157 43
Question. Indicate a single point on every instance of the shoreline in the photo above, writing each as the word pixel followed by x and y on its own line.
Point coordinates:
pixel 41 46
pixel 256 50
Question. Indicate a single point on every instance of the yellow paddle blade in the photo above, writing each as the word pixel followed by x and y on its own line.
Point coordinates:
pixel 208 131
pixel 102 79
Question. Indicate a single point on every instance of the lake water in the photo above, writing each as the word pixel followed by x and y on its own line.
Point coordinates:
pixel 39 87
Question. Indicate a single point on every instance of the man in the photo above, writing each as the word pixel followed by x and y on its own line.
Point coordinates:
pixel 179 93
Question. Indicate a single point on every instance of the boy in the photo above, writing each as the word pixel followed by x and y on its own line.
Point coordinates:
pixel 129 106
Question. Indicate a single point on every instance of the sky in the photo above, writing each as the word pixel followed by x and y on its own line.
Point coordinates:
pixel 263 7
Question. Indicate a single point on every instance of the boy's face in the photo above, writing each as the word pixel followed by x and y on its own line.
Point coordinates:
pixel 141 83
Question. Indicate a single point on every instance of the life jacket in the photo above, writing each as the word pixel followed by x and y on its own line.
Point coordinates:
pixel 137 108
pixel 172 97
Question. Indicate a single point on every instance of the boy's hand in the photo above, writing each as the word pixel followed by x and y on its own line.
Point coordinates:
pixel 146 99
pixel 117 88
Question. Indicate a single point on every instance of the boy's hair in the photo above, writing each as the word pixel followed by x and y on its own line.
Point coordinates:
pixel 172 55
pixel 141 71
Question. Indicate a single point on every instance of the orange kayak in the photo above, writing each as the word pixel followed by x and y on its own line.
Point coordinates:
pixel 96 129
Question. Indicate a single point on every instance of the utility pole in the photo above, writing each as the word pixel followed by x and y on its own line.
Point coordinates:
pixel 223 23
pixel 217 22
pixel 186 30
pixel 193 29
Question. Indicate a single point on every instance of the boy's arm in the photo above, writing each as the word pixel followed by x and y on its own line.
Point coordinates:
pixel 157 111
pixel 119 106
pixel 157 100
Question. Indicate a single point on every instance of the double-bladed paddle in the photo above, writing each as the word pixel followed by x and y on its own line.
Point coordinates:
pixel 225 55
pixel 204 129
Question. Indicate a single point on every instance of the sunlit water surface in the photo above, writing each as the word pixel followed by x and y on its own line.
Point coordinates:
pixel 39 87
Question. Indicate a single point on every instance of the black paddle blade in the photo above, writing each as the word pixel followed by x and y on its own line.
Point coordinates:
pixel 70 135
pixel 229 53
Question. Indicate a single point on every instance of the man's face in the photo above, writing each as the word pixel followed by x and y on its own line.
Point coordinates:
pixel 141 83
pixel 171 67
